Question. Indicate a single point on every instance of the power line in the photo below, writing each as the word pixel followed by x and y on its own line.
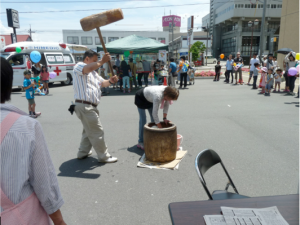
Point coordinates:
pixel 110 8
pixel 85 1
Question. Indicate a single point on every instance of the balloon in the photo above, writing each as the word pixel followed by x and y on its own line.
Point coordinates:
pixel 18 49
pixel 292 71
pixel 222 56
pixel 298 68
pixel 35 56
pixel 126 53
pixel 52 75
pixel 297 56
pixel 234 64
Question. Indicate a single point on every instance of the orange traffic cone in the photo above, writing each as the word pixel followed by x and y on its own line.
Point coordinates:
pixel 165 81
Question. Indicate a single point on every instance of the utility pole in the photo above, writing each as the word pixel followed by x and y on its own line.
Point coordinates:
pixel 207 42
pixel 30 31
pixel 172 32
pixel 262 32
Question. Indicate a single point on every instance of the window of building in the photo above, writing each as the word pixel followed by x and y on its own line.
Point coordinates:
pixel 228 46
pixel 153 38
pixel 273 6
pixel 273 26
pixel 240 6
pixel 86 40
pixel 97 40
pixel 73 40
pixel 247 6
pixel 253 6
pixel 246 45
pixel 110 39
pixel 229 28
pixel 246 28
pixel 260 6
pixel 268 6
pixel 162 40
pixel 279 6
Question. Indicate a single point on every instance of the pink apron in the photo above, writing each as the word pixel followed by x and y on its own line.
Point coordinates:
pixel 29 211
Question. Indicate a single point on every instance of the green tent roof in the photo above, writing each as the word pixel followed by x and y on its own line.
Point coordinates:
pixel 134 43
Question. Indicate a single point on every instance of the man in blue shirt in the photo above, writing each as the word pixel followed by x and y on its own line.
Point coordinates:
pixel 28 87
pixel 229 69
pixel 172 72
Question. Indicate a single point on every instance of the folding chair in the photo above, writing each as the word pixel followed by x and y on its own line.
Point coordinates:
pixel 204 161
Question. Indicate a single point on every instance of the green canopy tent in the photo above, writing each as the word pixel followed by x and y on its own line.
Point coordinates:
pixel 134 43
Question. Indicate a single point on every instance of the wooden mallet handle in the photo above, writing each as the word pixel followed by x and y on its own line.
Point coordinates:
pixel 104 48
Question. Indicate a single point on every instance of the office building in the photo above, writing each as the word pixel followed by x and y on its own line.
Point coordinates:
pixel 230 31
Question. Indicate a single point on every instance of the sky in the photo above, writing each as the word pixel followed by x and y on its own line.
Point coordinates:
pixel 49 26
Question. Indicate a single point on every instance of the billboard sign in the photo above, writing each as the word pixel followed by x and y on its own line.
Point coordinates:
pixel 166 20
pixel 13 18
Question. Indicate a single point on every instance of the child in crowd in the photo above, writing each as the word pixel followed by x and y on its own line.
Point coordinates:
pixel 269 82
pixel 29 88
pixel 255 74
pixel 45 79
pixel 217 70
pixel 125 75
pixel 277 77
pixel 264 71
pixel 115 70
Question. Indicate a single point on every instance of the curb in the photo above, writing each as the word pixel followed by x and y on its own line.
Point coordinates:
pixel 211 77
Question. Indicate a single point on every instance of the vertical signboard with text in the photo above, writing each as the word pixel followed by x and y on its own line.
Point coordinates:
pixel 13 21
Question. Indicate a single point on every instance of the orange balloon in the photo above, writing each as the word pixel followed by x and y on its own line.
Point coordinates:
pixel 222 56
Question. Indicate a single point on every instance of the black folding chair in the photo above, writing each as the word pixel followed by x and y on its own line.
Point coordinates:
pixel 204 161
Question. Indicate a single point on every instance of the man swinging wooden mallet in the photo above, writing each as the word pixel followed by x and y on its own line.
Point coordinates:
pixel 87 90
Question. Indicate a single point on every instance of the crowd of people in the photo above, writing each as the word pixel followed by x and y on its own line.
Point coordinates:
pixel 133 75
pixel 271 74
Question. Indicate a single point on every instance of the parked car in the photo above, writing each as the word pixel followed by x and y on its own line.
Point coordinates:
pixel 210 59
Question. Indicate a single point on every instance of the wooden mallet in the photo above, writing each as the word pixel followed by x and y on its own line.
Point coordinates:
pixel 99 20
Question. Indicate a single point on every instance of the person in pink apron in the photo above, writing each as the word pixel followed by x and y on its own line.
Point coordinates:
pixel 29 189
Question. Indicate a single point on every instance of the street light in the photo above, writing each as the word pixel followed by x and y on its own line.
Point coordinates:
pixel 252 25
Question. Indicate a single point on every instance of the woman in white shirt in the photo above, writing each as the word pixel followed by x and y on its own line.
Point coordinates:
pixel 150 98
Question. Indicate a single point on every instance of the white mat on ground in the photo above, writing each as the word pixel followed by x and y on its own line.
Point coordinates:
pixel 173 165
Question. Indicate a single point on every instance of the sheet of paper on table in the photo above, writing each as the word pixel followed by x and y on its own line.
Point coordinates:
pixel 214 220
pixel 244 216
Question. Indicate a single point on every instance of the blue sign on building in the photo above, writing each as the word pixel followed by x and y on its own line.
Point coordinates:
pixel 184 53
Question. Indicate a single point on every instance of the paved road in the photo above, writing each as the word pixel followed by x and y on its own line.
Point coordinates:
pixel 256 136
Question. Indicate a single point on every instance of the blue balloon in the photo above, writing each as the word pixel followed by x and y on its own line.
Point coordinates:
pixel 35 56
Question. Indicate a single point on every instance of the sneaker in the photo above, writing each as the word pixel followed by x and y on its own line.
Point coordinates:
pixel 38 113
pixel 108 160
pixel 140 145
pixel 80 156
pixel 124 91
pixel 129 91
pixel 274 91
pixel 278 91
pixel 33 116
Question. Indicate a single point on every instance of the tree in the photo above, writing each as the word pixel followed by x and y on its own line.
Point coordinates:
pixel 197 48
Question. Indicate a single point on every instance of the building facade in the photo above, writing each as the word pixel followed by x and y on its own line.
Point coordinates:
pixel 289 27
pixel 91 39
pixel 231 33
pixel 179 46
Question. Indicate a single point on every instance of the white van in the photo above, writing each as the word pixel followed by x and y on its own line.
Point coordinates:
pixel 210 59
pixel 57 57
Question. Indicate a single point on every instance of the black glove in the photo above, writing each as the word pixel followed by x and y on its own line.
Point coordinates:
pixel 72 108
